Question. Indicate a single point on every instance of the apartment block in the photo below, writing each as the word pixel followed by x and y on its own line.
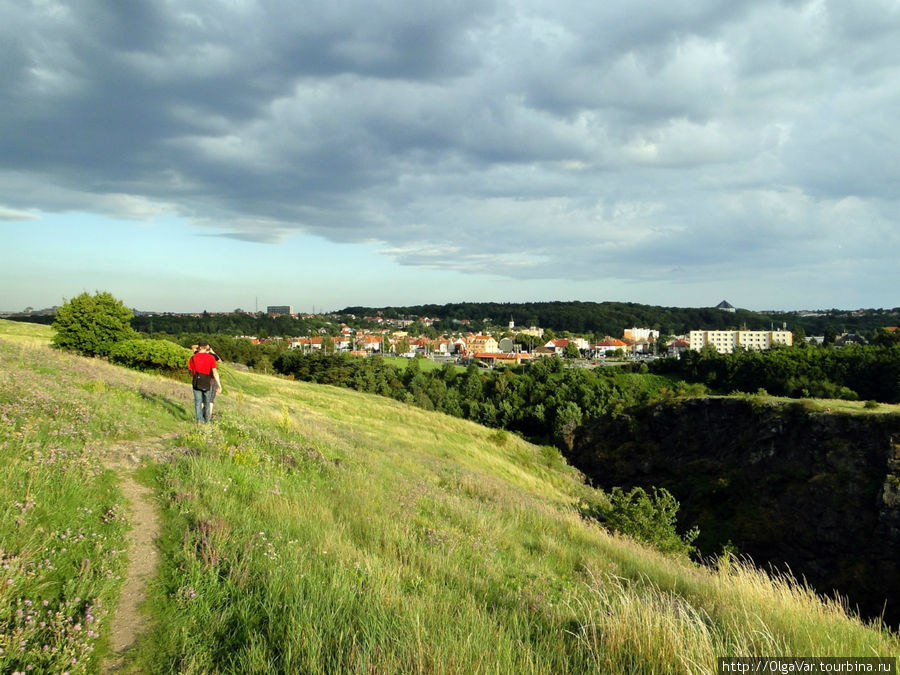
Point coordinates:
pixel 725 341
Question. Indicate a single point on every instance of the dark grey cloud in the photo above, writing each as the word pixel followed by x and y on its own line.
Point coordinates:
pixel 532 139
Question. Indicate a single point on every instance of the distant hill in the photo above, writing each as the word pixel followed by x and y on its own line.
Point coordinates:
pixel 607 318
pixel 611 318
pixel 599 318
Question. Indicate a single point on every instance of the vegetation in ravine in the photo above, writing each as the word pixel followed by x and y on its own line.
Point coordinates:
pixel 318 529
pixel 543 401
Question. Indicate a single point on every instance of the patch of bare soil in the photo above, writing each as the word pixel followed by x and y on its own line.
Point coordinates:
pixel 128 622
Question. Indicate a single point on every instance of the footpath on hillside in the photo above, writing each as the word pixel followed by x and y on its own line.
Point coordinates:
pixel 129 622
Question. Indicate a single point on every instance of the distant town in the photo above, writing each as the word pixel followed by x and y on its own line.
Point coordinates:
pixel 491 343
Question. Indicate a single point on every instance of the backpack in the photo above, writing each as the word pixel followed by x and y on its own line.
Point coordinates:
pixel 202 381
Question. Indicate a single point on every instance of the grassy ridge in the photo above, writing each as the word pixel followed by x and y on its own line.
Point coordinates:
pixel 317 529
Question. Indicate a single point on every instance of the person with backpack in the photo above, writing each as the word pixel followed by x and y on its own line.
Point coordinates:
pixel 213 386
pixel 204 374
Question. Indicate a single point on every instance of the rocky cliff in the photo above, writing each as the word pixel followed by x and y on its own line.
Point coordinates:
pixel 791 485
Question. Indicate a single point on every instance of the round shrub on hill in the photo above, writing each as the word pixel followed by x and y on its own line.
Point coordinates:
pixel 92 324
pixel 150 355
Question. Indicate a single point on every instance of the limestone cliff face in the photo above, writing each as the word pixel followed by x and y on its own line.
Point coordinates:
pixel 812 491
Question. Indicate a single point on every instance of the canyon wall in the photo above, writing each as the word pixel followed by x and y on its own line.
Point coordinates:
pixel 792 485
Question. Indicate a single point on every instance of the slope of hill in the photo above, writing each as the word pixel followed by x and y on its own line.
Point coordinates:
pixel 317 529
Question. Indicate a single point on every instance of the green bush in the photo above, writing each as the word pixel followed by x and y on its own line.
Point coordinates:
pixel 499 438
pixel 647 517
pixel 150 355
pixel 92 324
pixel 691 389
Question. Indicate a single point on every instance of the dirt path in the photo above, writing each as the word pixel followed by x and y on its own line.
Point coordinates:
pixel 128 622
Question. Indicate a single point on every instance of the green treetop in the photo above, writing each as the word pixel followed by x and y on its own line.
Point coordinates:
pixel 92 324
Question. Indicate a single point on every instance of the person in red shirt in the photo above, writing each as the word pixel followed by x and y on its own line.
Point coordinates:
pixel 204 373
pixel 214 387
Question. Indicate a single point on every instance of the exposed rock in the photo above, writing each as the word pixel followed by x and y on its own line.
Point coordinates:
pixel 813 492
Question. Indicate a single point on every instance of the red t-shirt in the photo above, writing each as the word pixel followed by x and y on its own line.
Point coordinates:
pixel 202 362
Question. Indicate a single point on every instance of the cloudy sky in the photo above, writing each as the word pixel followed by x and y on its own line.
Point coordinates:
pixel 200 154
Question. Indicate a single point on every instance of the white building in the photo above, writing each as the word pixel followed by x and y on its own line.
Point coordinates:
pixel 559 345
pixel 640 334
pixel 725 341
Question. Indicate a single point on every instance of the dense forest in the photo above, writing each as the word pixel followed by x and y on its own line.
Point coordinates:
pixel 605 318
pixel 585 318
pixel 240 323
pixel 611 318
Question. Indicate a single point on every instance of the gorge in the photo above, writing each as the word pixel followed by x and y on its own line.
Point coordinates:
pixel 793 485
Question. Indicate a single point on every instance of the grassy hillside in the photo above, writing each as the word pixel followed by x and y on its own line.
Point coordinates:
pixel 317 529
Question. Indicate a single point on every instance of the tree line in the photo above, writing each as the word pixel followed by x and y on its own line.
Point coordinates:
pixel 584 318
pixel 258 325
pixel 611 318
pixel 597 319
pixel 867 372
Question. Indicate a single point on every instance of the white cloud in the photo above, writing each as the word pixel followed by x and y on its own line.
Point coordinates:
pixel 15 215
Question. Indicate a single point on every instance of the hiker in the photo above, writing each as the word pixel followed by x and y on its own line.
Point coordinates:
pixel 214 385
pixel 205 375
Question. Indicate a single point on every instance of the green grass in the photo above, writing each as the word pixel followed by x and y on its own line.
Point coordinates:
pixel 823 405
pixel 855 407
pixel 31 333
pixel 316 529
pixel 425 364
pixel 62 517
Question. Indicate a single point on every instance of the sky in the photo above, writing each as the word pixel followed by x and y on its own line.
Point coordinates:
pixel 191 155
